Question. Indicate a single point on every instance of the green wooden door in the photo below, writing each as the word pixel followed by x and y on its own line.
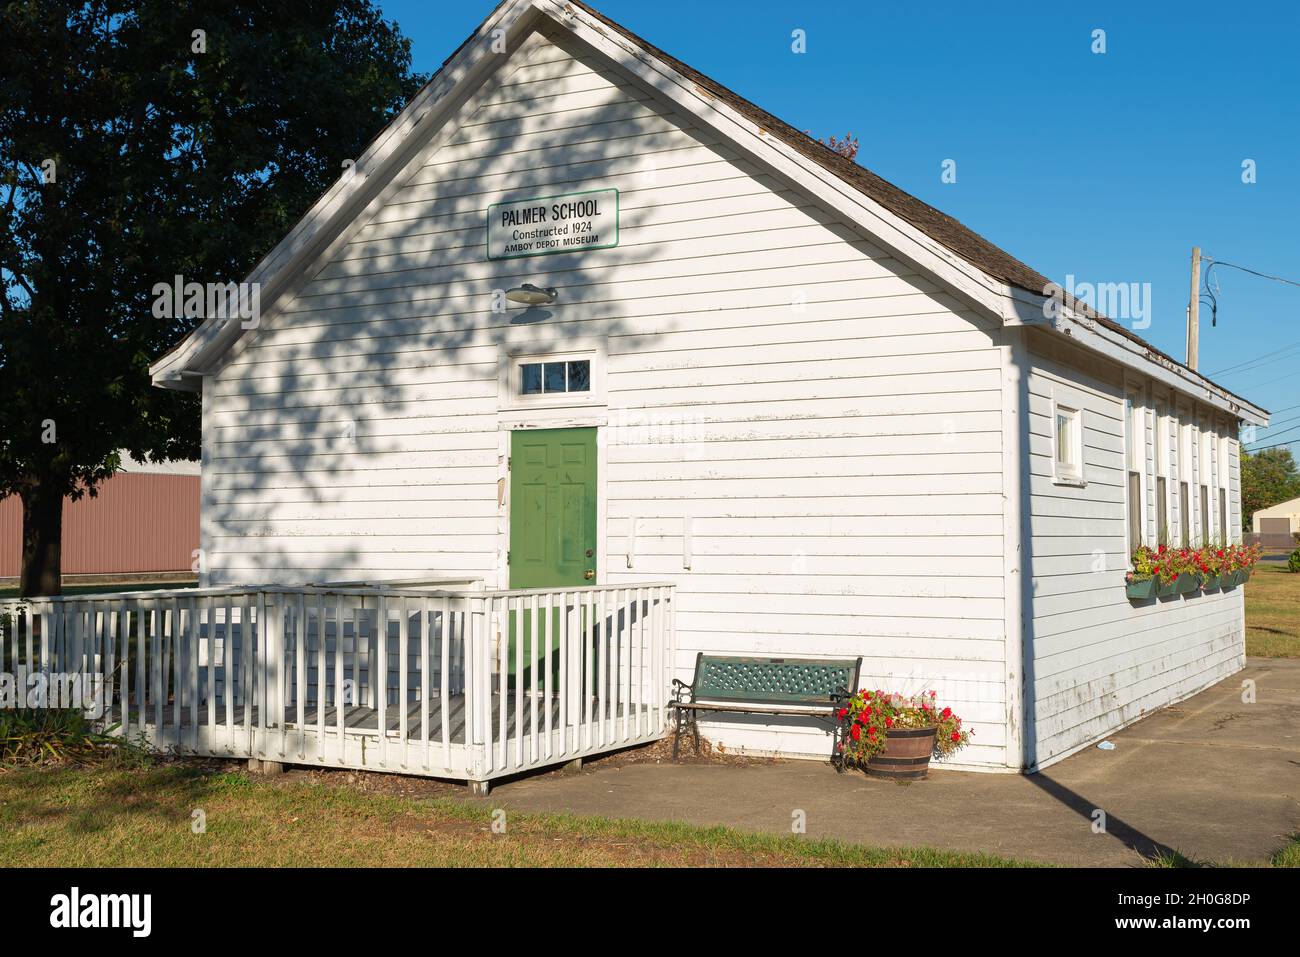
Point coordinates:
pixel 552 521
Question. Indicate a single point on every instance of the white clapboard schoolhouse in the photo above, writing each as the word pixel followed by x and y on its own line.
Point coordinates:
pixel 581 316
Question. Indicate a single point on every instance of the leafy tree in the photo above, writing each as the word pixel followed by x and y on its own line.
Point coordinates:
pixel 140 140
pixel 1267 478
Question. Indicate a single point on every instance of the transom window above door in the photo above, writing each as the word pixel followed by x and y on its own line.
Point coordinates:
pixel 550 378
pixel 541 382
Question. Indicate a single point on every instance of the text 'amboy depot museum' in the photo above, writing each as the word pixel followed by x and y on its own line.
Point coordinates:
pixel 584 317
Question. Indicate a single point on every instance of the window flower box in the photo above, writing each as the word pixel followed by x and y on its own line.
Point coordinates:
pixel 1141 590
pixel 1185 571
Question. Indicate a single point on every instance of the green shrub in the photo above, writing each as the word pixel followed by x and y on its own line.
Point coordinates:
pixel 31 735
pixel 1293 563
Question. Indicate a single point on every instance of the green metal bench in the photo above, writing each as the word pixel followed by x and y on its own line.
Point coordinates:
pixel 798 686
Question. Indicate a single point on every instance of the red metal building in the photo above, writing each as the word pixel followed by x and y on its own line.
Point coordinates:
pixel 145 519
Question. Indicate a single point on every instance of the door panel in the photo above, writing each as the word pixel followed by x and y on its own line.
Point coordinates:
pixel 552 522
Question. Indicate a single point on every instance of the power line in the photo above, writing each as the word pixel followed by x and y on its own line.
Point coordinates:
pixel 1265 448
pixel 1284 352
pixel 1260 385
pixel 1274 425
pixel 1261 275
pixel 1213 298
pixel 1293 428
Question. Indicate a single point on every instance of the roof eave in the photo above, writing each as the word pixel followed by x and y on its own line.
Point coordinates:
pixel 1129 352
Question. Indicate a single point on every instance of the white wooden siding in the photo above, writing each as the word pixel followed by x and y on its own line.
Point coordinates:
pixel 825 420
pixel 1096 661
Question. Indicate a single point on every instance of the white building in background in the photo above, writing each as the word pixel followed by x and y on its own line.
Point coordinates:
pixel 1280 519
pixel 842 423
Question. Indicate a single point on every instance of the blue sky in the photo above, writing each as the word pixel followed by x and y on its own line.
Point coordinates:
pixel 1109 167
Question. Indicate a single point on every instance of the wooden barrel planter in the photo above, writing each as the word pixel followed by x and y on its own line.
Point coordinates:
pixel 906 756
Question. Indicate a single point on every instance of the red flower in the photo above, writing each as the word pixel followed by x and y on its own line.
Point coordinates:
pixel 956 736
pixel 947 712
pixel 842 713
pixel 871 732
pixel 889 722
pixel 856 732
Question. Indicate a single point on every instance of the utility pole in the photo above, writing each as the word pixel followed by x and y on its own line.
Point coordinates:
pixel 1194 312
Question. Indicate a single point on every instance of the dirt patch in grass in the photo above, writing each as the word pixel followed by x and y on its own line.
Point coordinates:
pixel 404 786
pixel 661 752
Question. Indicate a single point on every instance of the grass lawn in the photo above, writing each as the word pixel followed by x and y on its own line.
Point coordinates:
pixel 1287 857
pixel 143 817
pixel 1273 612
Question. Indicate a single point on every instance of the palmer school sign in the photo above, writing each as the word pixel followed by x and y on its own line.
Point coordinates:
pixel 553 224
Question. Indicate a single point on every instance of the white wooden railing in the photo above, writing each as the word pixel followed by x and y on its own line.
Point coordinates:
pixel 464 684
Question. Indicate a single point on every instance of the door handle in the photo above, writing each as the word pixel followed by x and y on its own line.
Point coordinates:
pixel 589 574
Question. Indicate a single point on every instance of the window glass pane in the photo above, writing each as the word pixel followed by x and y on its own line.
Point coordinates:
pixel 580 376
pixel 1064 441
pixel 554 380
pixel 1134 511
pixel 1162 513
pixel 532 378
pixel 1129 433
pixel 1162 442
pixel 1184 515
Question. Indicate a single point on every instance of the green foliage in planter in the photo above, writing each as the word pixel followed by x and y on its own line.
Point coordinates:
pixel 868 716
pixel 1180 571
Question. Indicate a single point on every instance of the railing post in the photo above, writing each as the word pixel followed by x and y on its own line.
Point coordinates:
pixel 262 671
pixel 299 684
pixel 671 656
pixel 476 701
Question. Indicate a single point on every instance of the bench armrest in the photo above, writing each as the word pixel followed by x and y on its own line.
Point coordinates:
pixel 681 690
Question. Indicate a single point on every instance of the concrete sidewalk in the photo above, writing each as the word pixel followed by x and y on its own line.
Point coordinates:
pixel 1211 778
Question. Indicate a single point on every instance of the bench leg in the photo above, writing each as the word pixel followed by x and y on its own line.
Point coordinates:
pixel 695 727
pixel 677 733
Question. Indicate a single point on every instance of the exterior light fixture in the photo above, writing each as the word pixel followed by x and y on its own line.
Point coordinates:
pixel 530 295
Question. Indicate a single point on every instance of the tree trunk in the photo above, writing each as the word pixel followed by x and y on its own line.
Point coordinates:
pixel 42 543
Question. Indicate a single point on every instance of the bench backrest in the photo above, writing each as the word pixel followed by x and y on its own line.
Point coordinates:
pixel 772 680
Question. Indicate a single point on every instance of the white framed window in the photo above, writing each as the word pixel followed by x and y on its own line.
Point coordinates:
pixel 1184 462
pixel 1135 451
pixel 529 380
pixel 554 376
pixel 1162 503
pixel 1226 534
pixel 1206 520
pixel 1067 445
